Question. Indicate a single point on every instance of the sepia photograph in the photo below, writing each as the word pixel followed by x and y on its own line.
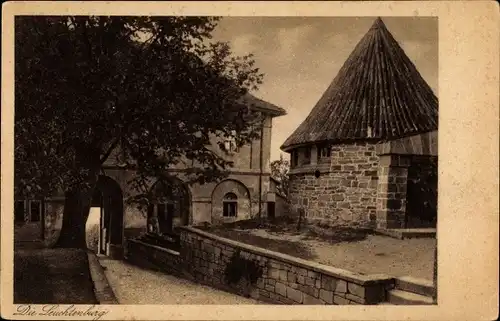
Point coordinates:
pixel 143 148
pixel 224 160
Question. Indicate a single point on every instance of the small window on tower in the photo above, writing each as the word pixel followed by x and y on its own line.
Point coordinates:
pixel 295 158
pixel 307 156
pixel 324 152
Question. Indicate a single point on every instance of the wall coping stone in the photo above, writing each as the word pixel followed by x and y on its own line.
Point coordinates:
pixel 353 277
pixel 162 249
pixel 102 290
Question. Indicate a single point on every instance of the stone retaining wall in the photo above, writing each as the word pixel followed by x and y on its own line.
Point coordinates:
pixel 285 279
pixel 155 257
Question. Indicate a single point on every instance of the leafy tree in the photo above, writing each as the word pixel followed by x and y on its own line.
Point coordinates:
pixel 157 88
pixel 279 171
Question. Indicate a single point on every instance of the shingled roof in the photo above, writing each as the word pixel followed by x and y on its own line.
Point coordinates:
pixel 378 94
pixel 261 105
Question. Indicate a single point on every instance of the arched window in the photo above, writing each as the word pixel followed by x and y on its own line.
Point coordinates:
pixel 230 205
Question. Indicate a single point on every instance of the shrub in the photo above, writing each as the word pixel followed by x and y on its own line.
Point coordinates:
pixel 240 268
pixel 92 237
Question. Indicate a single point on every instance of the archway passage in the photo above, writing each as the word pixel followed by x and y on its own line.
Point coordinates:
pixel 108 198
pixel 170 206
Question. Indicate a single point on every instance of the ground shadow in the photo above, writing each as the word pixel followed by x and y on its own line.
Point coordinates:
pixel 281 246
pixel 52 276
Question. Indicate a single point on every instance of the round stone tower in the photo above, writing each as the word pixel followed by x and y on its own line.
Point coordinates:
pixel 377 96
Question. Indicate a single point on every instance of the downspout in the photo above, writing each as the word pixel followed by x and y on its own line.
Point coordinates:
pixel 260 169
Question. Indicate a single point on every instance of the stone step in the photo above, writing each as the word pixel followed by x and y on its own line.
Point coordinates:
pixel 399 297
pixel 414 285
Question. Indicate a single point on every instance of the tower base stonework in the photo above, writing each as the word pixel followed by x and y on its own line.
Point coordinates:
pixel 341 190
pixel 391 191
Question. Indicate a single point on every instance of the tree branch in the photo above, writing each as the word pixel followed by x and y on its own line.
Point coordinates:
pixel 109 151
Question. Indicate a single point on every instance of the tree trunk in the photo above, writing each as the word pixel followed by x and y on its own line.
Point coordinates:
pixel 76 211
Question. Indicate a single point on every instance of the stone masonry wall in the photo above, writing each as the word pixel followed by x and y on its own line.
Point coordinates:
pixel 346 190
pixel 155 257
pixel 285 279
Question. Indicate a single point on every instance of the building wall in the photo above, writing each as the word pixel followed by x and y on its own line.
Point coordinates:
pixel 345 191
pixel 206 199
pixel 206 206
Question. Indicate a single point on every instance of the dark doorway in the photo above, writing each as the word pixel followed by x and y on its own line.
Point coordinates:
pixel 35 211
pixel 172 202
pixel 271 210
pixel 421 195
pixel 19 212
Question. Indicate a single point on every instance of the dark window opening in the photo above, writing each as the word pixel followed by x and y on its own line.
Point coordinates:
pixel 307 156
pixel 230 205
pixel 36 211
pixel 19 212
pixel 271 210
pixel 324 152
pixel 295 158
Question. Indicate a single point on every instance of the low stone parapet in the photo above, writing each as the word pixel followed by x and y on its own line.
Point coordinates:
pixel 282 279
pixel 285 279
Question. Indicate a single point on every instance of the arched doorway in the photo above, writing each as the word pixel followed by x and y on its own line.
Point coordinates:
pixel 170 205
pixel 107 202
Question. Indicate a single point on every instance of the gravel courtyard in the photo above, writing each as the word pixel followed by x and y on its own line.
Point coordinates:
pixel 362 253
pixel 135 285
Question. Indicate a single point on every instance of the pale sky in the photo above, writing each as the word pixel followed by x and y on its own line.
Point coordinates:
pixel 300 56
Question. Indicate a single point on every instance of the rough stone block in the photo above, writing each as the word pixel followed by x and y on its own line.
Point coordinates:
pixel 338 300
pixel 274 273
pixel 264 293
pixel 301 279
pixel 291 277
pixel 326 296
pixel 353 298
pixel 356 289
pixel 283 275
pixel 340 286
pixel 269 287
pixel 310 300
pixel 280 289
pixel 310 281
pixel 294 295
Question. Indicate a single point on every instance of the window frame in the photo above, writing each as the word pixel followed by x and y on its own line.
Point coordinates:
pixel 230 200
pixel 230 143
pixel 321 156
pixel 39 205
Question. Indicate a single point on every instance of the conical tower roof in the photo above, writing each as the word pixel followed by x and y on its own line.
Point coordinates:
pixel 378 94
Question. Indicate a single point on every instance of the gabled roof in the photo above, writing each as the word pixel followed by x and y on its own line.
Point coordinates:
pixel 261 105
pixel 378 94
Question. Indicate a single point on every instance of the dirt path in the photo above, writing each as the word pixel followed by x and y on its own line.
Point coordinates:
pixel 45 276
pixel 135 285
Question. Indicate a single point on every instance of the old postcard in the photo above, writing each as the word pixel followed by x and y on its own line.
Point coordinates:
pixel 249 160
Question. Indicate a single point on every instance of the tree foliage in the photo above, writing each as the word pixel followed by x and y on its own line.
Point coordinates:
pixel 157 88
pixel 279 171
